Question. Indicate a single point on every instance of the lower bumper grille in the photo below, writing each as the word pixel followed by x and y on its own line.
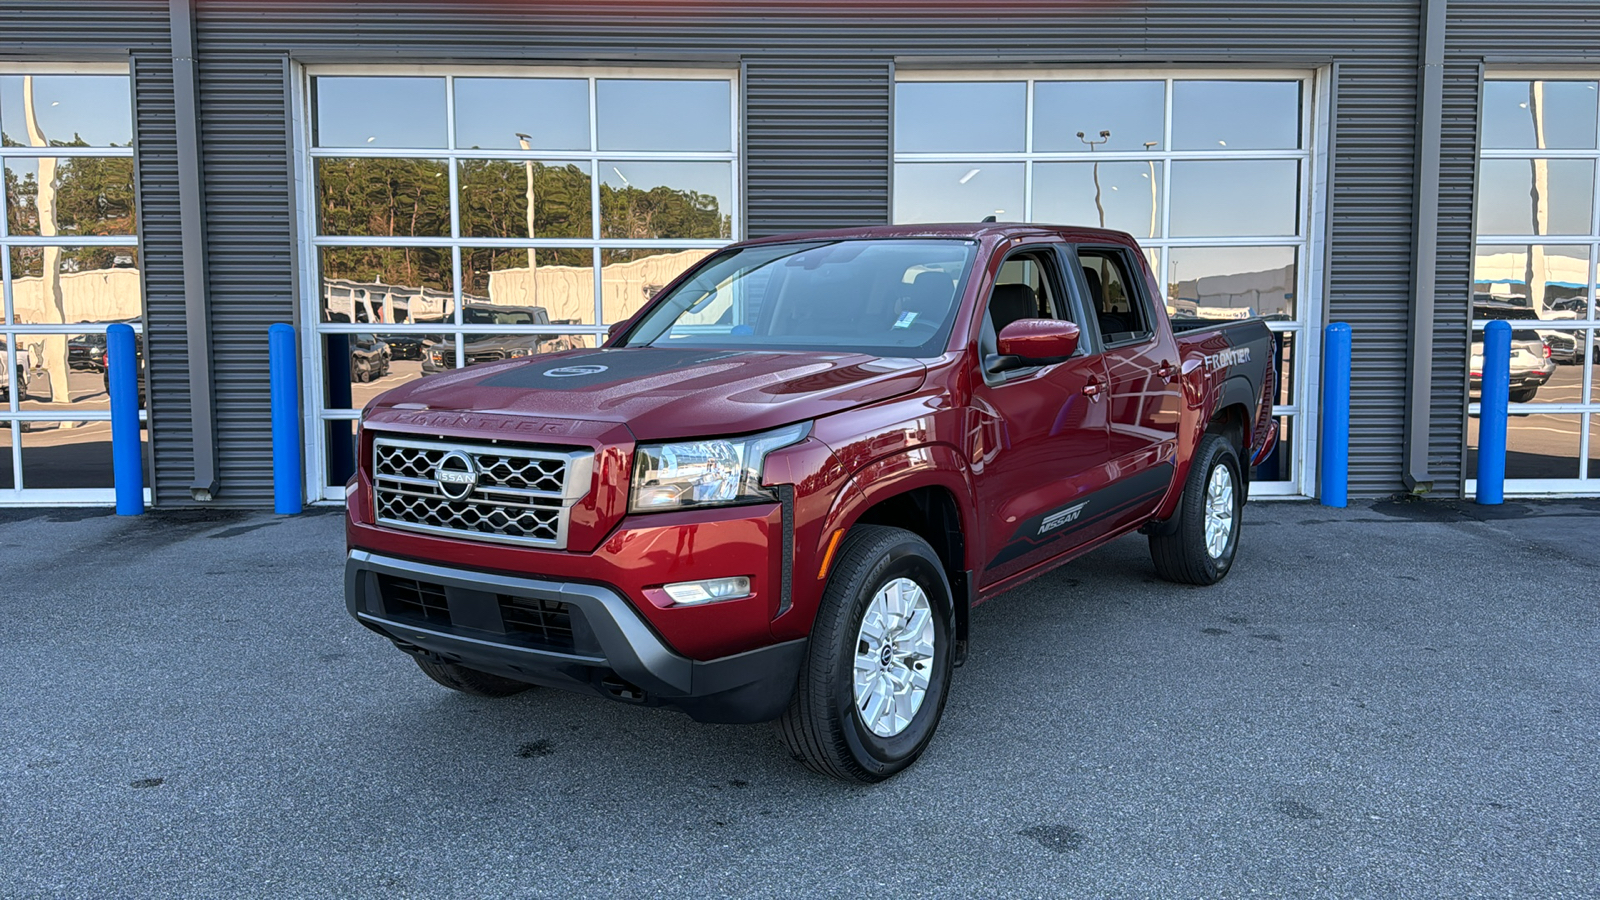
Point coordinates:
pixel 415 599
pixel 526 621
pixel 546 622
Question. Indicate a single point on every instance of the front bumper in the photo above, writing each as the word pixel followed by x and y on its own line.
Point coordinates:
pixel 582 637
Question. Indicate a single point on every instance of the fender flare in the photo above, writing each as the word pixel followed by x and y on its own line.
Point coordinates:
pixel 902 471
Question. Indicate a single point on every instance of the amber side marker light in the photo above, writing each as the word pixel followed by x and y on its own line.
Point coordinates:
pixel 827 558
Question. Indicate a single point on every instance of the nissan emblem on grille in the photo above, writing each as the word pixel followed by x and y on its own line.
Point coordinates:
pixel 489 492
pixel 457 475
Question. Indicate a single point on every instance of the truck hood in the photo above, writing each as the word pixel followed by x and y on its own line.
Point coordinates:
pixel 662 393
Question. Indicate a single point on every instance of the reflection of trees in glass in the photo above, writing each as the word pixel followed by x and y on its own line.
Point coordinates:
pixel 410 197
pixel 383 197
pixel 661 212
pixel 94 196
pixel 494 200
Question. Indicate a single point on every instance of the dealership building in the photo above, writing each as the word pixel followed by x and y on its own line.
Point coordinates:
pixel 419 186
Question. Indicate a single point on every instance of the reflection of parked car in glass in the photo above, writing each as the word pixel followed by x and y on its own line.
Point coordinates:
pixel 1531 365
pixel 1565 346
pixel 410 346
pixel 481 348
pixel 13 372
pixel 102 362
pixel 87 351
pixel 369 357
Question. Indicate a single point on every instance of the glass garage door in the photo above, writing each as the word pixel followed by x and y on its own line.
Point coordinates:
pixel 1538 243
pixel 69 268
pixel 1211 174
pixel 473 216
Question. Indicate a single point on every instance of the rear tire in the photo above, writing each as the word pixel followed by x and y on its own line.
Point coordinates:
pixel 1524 395
pixel 1200 550
pixel 470 681
pixel 877 671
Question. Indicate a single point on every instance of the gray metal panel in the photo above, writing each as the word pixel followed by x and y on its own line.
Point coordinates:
pixel 817 151
pixel 1368 281
pixel 1453 275
pixel 81 29
pixel 161 259
pixel 249 237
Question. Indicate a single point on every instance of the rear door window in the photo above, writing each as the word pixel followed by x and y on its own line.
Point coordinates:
pixel 1117 302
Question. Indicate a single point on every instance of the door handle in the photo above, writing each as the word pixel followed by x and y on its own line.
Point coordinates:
pixel 1092 390
pixel 1165 371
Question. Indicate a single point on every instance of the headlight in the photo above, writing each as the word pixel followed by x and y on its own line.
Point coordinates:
pixel 712 472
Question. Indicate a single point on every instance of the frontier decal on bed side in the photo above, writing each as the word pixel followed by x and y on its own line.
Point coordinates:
pixel 1226 358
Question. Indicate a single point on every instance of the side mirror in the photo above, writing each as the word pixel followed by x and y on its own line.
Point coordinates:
pixel 618 328
pixel 1035 342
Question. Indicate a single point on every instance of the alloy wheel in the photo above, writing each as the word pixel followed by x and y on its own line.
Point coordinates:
pixel 1219 511
pixel 894 657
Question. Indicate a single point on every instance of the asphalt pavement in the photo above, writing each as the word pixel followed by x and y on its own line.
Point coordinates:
pixel 1394 700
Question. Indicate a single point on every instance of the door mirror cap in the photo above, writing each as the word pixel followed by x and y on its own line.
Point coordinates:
pixel 1038 342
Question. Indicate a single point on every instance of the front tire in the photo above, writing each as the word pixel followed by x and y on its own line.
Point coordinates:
pixel 470 681
pixel 877 671
pixel 1200 550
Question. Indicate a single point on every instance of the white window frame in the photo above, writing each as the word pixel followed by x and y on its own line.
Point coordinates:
pixel 19 494
pixel 1309 240
pixel 1588 410
pixel 316 419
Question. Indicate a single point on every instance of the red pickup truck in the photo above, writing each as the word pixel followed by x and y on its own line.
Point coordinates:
pixel 778 490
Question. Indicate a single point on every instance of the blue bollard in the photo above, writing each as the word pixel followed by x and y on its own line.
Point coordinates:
pixel 1334 470
pixel 288 492
pixel 1494 413
pixel 127 457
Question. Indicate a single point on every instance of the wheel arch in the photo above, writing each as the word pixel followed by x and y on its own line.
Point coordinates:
pixel 924 490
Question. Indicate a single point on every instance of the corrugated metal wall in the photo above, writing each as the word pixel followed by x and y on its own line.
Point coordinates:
pixel 1452 311
pixel 819 83
pixel 811 165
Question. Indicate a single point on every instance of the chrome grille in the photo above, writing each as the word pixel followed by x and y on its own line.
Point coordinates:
pixel 520 496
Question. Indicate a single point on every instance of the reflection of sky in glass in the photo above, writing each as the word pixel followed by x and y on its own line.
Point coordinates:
pixel 636 114
pixel 1258 278
pixel 553 112
pixel 1236 115
pixel 960 117
pixel 379 112
pixel 95 107
pixel 935 192
pixel 1234 197
pixel 1063 194
pixel 1506 204
pixel 1131 110
pixel 1569 115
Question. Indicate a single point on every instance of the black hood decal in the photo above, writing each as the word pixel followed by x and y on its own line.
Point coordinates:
pixel 602 367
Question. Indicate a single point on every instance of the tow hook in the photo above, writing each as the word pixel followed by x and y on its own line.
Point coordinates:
pixel 617 689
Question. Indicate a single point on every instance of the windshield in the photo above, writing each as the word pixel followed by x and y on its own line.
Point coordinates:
pixel 884 298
